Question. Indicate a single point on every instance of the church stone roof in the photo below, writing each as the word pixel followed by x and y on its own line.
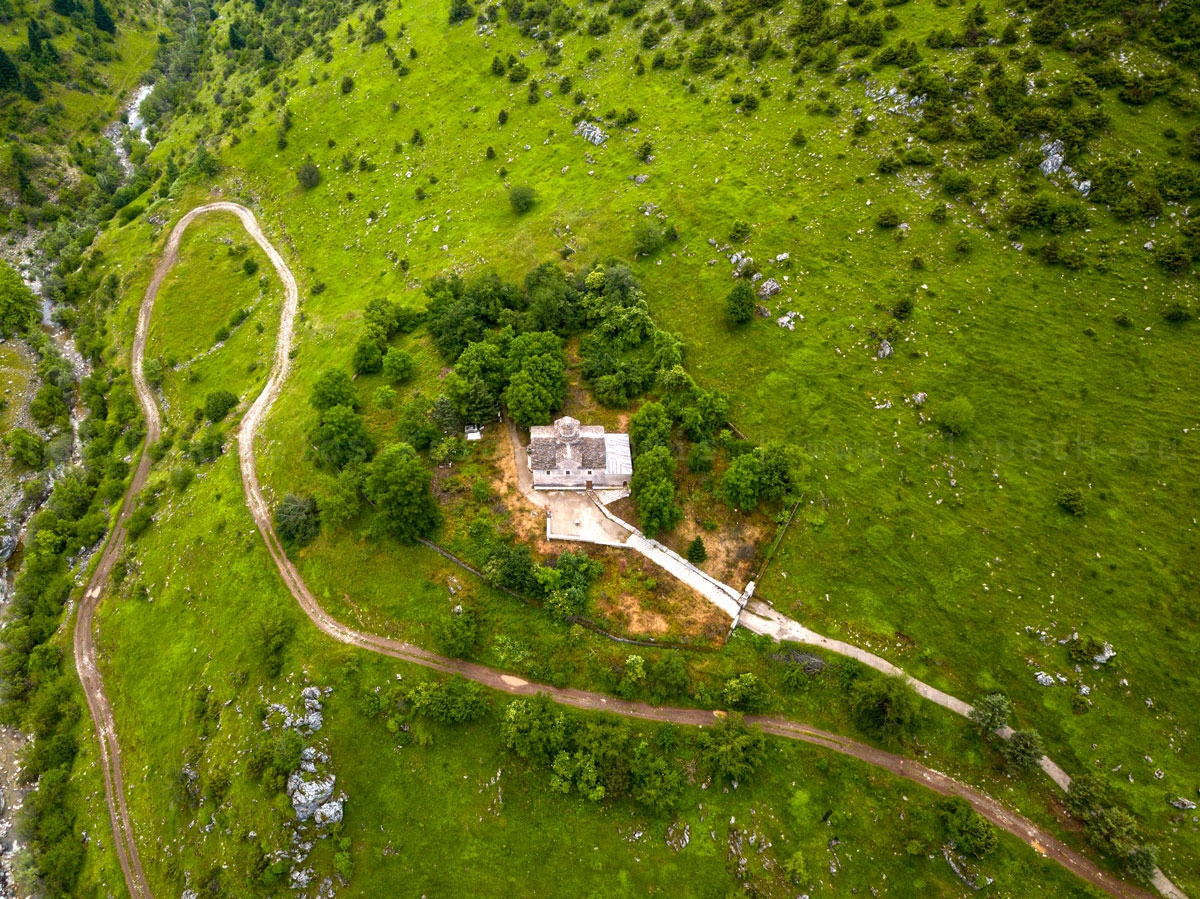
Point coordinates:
pixel 568 445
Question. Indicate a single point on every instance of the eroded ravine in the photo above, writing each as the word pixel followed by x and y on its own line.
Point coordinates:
pixel 101 709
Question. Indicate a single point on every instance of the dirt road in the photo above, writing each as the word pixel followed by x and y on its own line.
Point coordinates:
pixel 101 710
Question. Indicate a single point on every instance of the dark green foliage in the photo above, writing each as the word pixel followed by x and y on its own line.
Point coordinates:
pixel 650 427
pixel 460 11
pixel 700 458
pixel 537 384
pixel 969 833
pixel 347 84
pixel 732 750
pixel 888 217
pixel 453 701
pixel 333 387
pixel 458 632
pixel 399 486
pixel 740 231
pixel 341 438
pixel 207 447
pixel 218 404
pixel 535 729
pixel 741 482
pixel 957 417
pixel 990 713
pixel 297 519
pixel 24 447
pixel 308 175
pixel 884 707
pixel 367 360
pixel 696 552
pixel 1023 751
pixel 521 198
pixel 271 633
pixel 398 365
pixel 1073 500
pixel 18 305
pixel 739 304
pixel 102 18
pixel 653 490
pixel 746 692
pixel 49 407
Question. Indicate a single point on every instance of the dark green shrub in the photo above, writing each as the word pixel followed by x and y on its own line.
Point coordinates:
pixel 297 519
pixel 521 198
pixel 218 404
pixel 1072 500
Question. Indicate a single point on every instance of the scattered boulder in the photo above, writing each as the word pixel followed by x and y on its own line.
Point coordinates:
pixel 1046 680
pixel 1183 804
pixel 591 133
pixel 1104 655
pixel 309 795
pixel 769 288
pixel 885 350
pixel 762 311
pixel 918 399
pixel 329 813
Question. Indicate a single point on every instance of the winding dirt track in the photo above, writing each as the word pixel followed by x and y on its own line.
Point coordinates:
pixel 101 710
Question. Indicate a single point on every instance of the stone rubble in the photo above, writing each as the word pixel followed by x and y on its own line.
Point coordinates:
pixel 591 133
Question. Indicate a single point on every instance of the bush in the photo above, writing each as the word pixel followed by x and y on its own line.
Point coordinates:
pixel 696 551
pixel 888 218
pixel 958 416
pixel 966 830
pixel 903 308
pixel 1024 751
pixel 182 477
pixel 398 365
pixel 648 239
pixel 25 447
pixel 888 165
pixel 1176 313
pixel 521 198
pixel 739 304
pixel 297 519
pixel 455 701
pixel 218 404
pixel 1072 500
pixel 367 358
pixel 333 387
pixel 799 139
pixel 250 266
pixel 700 458
pixel 308 175
pixel 884 707
pixel 991 713
pixel 347 84
pixel 745 692
pixel 458 632
pixel 731 749
pixel 740 231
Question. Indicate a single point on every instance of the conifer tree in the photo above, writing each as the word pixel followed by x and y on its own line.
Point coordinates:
pixel 102 19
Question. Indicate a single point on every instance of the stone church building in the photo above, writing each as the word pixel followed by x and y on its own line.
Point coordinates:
pixel 570 456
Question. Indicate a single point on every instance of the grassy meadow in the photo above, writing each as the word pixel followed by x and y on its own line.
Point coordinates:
pixel 1075 377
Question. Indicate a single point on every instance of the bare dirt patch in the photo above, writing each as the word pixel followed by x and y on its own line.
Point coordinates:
pixel 638 598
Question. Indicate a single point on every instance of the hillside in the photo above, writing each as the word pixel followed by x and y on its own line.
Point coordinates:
pixel 897 301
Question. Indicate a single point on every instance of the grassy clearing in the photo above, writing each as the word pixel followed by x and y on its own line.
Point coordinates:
pixel 198 335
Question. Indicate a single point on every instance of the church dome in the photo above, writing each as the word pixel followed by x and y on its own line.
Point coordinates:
pixel 567 428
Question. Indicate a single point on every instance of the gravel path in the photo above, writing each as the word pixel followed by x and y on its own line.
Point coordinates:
pixel 101 710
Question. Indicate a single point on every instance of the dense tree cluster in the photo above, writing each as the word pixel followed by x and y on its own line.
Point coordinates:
pixel 600 759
